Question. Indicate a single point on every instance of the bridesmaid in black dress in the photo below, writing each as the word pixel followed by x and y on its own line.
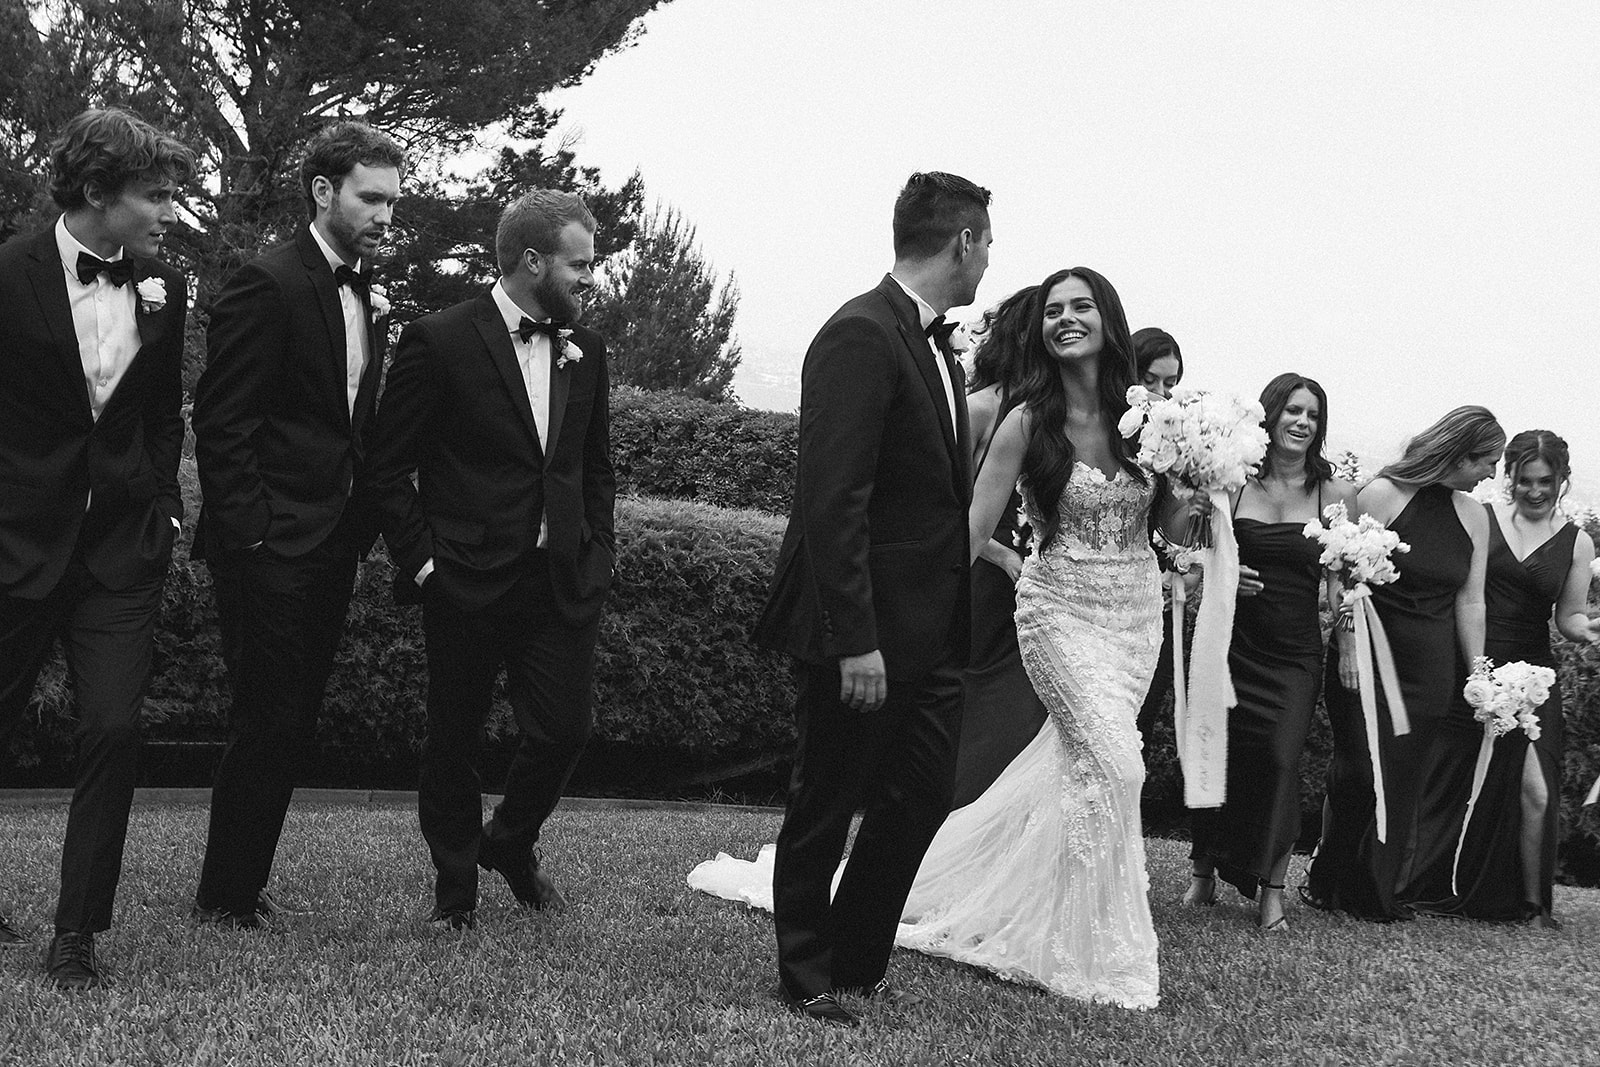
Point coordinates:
pixel 1000 711
pixel 1276 655
pixel 1159 363
pixel 1434 616
pixel 1538 561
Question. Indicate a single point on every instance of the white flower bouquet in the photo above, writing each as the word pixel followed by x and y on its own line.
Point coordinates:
pixel 1503 698
pixel 1359 553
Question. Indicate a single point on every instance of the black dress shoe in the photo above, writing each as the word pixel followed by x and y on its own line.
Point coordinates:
pixel 882 992
pixel 824 1007
pixel 10 936
pixel 69 962
pixel 454 918
pixel 530 885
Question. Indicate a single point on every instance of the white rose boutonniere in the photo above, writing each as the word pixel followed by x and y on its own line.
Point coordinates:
pixel 566 351
pixel 379 301
pixel 152 294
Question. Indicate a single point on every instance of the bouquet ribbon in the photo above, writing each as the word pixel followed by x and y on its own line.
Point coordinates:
pixel 1479 771
pixel 1594 794
pixel 1202 719
pixel 1372 648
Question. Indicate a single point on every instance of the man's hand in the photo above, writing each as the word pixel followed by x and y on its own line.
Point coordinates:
pixel 862 685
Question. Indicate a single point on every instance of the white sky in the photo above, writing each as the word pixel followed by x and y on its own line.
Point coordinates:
pixel 1397 199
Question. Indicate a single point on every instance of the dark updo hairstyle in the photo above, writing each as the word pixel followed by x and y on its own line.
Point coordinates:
pixel 1047 464
pixel 1150 344
pixel 1530 445
pixel 108 148
pixel 1274 398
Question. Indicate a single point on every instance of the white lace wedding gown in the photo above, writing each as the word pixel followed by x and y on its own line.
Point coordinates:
pixel 1042 878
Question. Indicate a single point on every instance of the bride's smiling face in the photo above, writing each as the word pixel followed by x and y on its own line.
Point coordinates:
pixel 1072 328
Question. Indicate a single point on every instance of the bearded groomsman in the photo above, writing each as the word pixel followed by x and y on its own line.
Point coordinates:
pixel 91 428
pixel 870 596
pixel 281 417
pixel 500 406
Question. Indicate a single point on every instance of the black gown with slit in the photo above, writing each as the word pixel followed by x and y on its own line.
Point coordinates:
pixel 1519 595
pixel 1276 662
pixel 1353 871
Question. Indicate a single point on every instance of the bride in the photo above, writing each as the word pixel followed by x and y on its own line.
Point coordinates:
pixel 1041 879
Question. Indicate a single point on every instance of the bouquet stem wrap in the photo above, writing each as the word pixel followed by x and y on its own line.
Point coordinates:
pixel 1372 649
pixel 1480 771
pixel 1202 720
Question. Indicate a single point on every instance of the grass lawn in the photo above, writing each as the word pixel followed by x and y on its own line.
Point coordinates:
pixel 644 971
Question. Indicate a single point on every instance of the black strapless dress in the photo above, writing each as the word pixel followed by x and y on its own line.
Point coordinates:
pixel 1353 871
pixel 1520 595
pixel 1276 660
pixel 1000 711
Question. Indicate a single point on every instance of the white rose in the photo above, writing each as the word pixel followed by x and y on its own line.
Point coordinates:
pixel 152 293
pixel 379 301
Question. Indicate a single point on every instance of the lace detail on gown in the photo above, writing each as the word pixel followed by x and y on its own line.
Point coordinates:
pixel 1041 879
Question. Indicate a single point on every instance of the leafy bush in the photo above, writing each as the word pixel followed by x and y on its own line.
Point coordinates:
pixel 672 445
pixel 681 695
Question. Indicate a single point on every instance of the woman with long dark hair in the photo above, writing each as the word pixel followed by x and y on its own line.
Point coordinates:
pixel 1538 566
pixel 1000 711
pixel 1276 654
pixel 1041 878
pixel 1434 617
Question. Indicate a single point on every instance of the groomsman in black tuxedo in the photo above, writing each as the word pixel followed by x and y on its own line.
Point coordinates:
pixel 281 416
pixel 91 428
pixel 870 596
pixel 500 406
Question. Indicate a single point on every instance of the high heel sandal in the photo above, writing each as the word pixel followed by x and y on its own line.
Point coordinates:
pixel 1281 925
pixel 1195 896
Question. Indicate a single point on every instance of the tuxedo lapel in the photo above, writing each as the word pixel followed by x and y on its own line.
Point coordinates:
pixel 320 277
pixel 916 342
pixel 497 339
pixel 49 282
pixel 560 388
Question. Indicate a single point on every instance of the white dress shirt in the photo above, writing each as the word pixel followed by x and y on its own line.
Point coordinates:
pixel 102 318
pixel 355 326
pixel 925 316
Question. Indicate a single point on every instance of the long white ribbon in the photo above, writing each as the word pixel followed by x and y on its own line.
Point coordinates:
pixel 1372 645
pixel 1479 772
pixel 1203 726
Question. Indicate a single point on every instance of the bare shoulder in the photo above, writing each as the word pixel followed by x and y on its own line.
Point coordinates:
pixel 1383 499
pixel 1339 491
pixel 1474 517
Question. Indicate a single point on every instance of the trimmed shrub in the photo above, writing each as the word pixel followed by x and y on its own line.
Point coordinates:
pixel 673 445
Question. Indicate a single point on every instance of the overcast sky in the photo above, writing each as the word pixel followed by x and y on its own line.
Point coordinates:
pixel 1397 199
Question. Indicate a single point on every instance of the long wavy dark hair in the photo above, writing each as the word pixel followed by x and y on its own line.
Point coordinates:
pixel 1047 464
pixel 998 356
pixel 1274 398
pixel 1432 456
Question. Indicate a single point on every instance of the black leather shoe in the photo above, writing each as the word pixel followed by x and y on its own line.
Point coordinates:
pixel 10 936
pixel 454 918
pixel 881 992
pixel 69 963
pixel 824 1007
pixel 530 885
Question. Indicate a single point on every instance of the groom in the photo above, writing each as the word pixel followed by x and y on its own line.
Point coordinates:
pixel 500 406
pixel 870 596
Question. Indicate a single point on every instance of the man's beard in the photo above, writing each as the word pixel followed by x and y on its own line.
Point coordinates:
pixel 346 241
pixel 558 302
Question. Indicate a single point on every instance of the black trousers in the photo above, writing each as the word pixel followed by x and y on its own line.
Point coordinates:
pixel 106 635
pixel 281 623
pixel 549 680
pixel 898 763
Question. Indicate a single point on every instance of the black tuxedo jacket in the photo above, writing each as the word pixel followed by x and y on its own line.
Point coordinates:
pixel 53 451
pixel 875 555
pixel 455 411
pixel 278 448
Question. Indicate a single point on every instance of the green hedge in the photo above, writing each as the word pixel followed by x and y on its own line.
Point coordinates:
pixel 672 445
pixel 681 695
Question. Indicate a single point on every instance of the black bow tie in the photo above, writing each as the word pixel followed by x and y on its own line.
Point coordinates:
pixel 526 328
pixel 940 331
pixel 118 273
pixel 358 280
